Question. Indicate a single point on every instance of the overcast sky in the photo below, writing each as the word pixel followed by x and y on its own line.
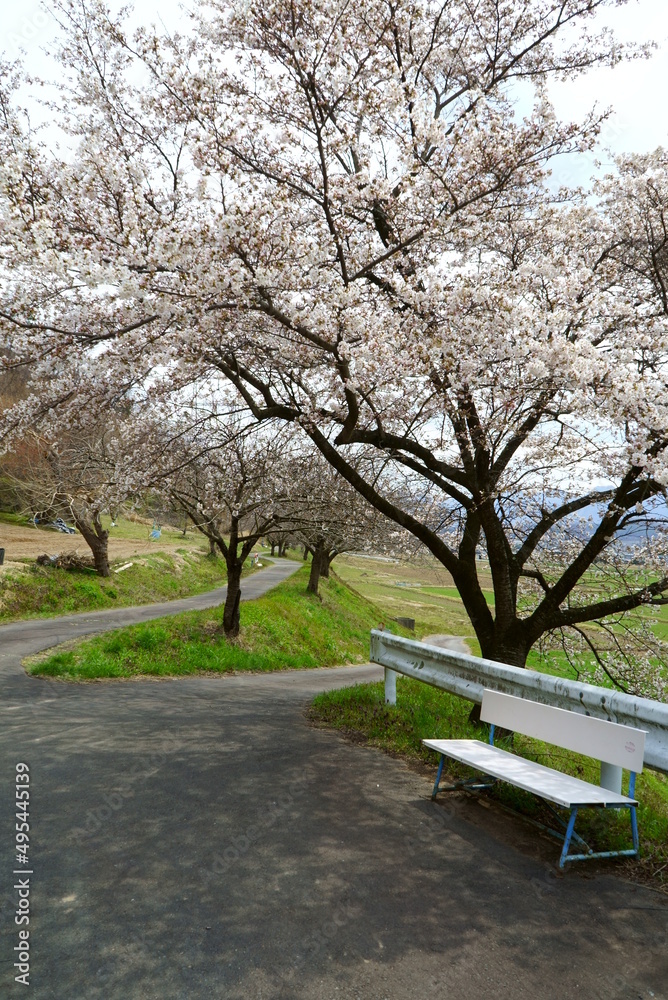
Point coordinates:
pixel 637 91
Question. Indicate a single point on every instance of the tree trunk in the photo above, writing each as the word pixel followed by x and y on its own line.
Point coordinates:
pixel 97 540
pixel 273 548
pixel 503 636
pixel 509 647
pixel 316 569
pixel 212 547
pixel 306 552
pixel 231 615
pixel 100 552
pixel 327 560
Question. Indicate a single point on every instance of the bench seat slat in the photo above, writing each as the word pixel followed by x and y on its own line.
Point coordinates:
pixel 562 789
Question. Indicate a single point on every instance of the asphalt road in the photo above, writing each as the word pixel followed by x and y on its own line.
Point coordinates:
pixel 195 838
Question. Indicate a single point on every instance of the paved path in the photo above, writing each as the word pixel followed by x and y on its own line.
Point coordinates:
pixel 20 639
pixel 453 642
pixel 194 839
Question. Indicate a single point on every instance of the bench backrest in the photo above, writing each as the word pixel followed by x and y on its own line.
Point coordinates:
pixel 611 742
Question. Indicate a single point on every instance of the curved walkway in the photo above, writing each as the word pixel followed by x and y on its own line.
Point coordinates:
pixel 20 639
pixel 195 839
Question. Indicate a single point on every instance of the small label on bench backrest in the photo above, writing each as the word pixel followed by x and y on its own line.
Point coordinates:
pixel 597 738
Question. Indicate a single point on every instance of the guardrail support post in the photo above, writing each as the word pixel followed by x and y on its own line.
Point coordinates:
pixel 611 777
pixel 390 686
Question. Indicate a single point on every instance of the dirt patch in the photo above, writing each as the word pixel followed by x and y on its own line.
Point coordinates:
pixel 28 543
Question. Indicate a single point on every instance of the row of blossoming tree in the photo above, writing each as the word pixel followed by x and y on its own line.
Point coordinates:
pixel 340 213
pixel 238 482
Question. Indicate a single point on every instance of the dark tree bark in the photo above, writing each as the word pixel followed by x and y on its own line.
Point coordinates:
pixel 235 552
pixel 231 613
pixel 319 557
pixel 328 557
pixel 97 540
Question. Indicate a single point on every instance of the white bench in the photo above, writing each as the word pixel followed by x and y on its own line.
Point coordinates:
pixel 609 742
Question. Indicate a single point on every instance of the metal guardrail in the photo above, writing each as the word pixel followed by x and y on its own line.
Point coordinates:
pixel 468 676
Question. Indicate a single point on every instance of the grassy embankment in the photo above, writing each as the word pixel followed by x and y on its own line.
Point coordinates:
pixel 286 629
pixel 31 591
pixel 42 591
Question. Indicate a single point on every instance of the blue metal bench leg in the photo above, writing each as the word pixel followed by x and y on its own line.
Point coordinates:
pixel 438 776
pixel 567 838
pixel 634 830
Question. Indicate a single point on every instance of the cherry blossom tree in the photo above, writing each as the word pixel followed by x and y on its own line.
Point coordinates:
pixel 341 210
pixel 72 478
pixel 325 515
pixel 280 540
pixel 328 516
pixel 229 481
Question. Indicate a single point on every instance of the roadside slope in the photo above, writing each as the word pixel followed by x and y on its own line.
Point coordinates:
pixel 20 639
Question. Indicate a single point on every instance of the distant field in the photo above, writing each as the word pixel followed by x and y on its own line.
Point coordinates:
pixel 426 592
pixel 423 591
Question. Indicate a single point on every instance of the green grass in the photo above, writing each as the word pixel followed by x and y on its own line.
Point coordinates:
pixel 42 591
pixel 424 591
pixel 7 517
pixel 286 629
pixel 423 712
pixel 555 662
pixel 141 530
pixel 420 710
pixel 453 593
